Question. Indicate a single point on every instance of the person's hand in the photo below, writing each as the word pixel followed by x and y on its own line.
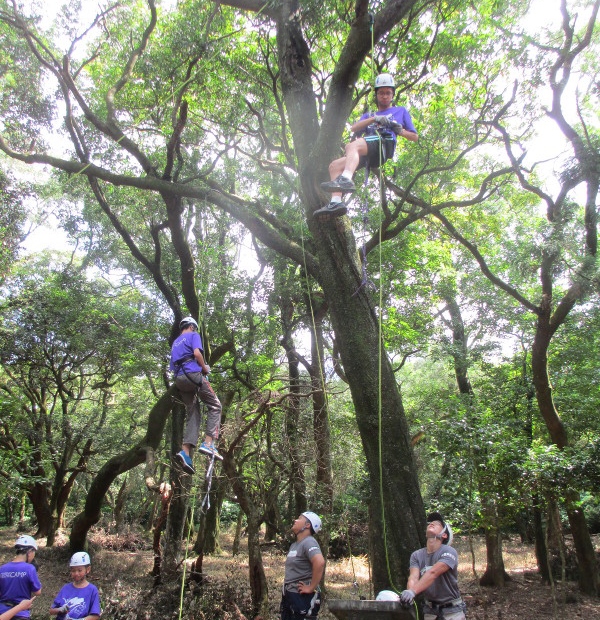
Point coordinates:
pixel 396 127
pixel 384 121
pixel 206 370
pixel 407 597
pixel 25 604
pixel 303 588
pixel 64 609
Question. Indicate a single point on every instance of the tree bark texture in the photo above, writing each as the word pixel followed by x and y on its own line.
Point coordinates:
pixel 396 507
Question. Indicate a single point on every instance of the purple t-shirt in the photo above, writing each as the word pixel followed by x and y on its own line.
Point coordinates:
pixel 18 581
pixel 183 349
pixel 399 113
pixel 82 602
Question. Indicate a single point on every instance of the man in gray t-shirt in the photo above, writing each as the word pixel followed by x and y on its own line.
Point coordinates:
pixel 434 573
pixel 304 567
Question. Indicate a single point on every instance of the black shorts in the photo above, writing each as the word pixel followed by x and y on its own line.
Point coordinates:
pixel 379 150
pixel 296 606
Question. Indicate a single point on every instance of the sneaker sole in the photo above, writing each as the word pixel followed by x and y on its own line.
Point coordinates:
pixel 329 213
pixel 326 187
pixel 186 468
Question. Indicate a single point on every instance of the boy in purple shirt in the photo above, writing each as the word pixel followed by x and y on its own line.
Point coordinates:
pixel 375 144
pixel 18 579
pixel 191 378
pixel 79 599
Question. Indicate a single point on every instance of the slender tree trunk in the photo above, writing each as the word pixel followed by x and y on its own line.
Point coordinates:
pixel 541 549
pixel 175 532
pixel 494 575
pixel 207 540
pixel 258 579
pixel 259 590
pixel 292 416
pixel 238 533
pixel 586 557
pixel 118 465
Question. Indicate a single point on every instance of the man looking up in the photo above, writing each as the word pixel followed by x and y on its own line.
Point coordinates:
pixel 434 572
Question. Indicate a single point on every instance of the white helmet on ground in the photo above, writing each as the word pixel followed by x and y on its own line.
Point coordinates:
pixel 387 595
pixel 315 520
pixel 186 321
pixel 26 541
pixel 81 558
pixel 384 80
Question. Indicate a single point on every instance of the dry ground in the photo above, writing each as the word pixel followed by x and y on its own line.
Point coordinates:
pixel 121 566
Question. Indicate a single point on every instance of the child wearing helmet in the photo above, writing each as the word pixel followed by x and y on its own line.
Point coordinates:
pixel 304 568
pixel 376 134
pixel 191 378
pixel 434 573
pixel 79 599
pixel 19 580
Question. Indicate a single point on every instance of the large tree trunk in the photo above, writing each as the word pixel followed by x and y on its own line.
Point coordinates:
pixel 397 514
pixel 396 507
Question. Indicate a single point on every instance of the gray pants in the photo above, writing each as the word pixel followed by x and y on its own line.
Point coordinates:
pixel 196 384
pixel 449 613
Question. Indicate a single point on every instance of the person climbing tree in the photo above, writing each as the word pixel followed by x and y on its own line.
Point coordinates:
pixel 380 130
pixel 434 572
pixel 191 378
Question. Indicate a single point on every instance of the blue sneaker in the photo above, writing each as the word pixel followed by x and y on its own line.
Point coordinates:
pixel 186 463
pixel 210 451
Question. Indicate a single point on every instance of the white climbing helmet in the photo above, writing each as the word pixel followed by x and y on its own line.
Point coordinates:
pixel 384 80
pixel 186 321
pixel 26 541
pixel 387 595
pixel 314 519
pixel 81 558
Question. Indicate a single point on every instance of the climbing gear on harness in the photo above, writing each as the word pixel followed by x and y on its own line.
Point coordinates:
pixel 186 463
pixel 340 184
pixel 210 450
pixel 334 209
pixel 186 321
pixel 315 520
pixel 384 80
pixel 457 602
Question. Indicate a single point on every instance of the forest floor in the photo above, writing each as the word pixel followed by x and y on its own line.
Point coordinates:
pixel 122 564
